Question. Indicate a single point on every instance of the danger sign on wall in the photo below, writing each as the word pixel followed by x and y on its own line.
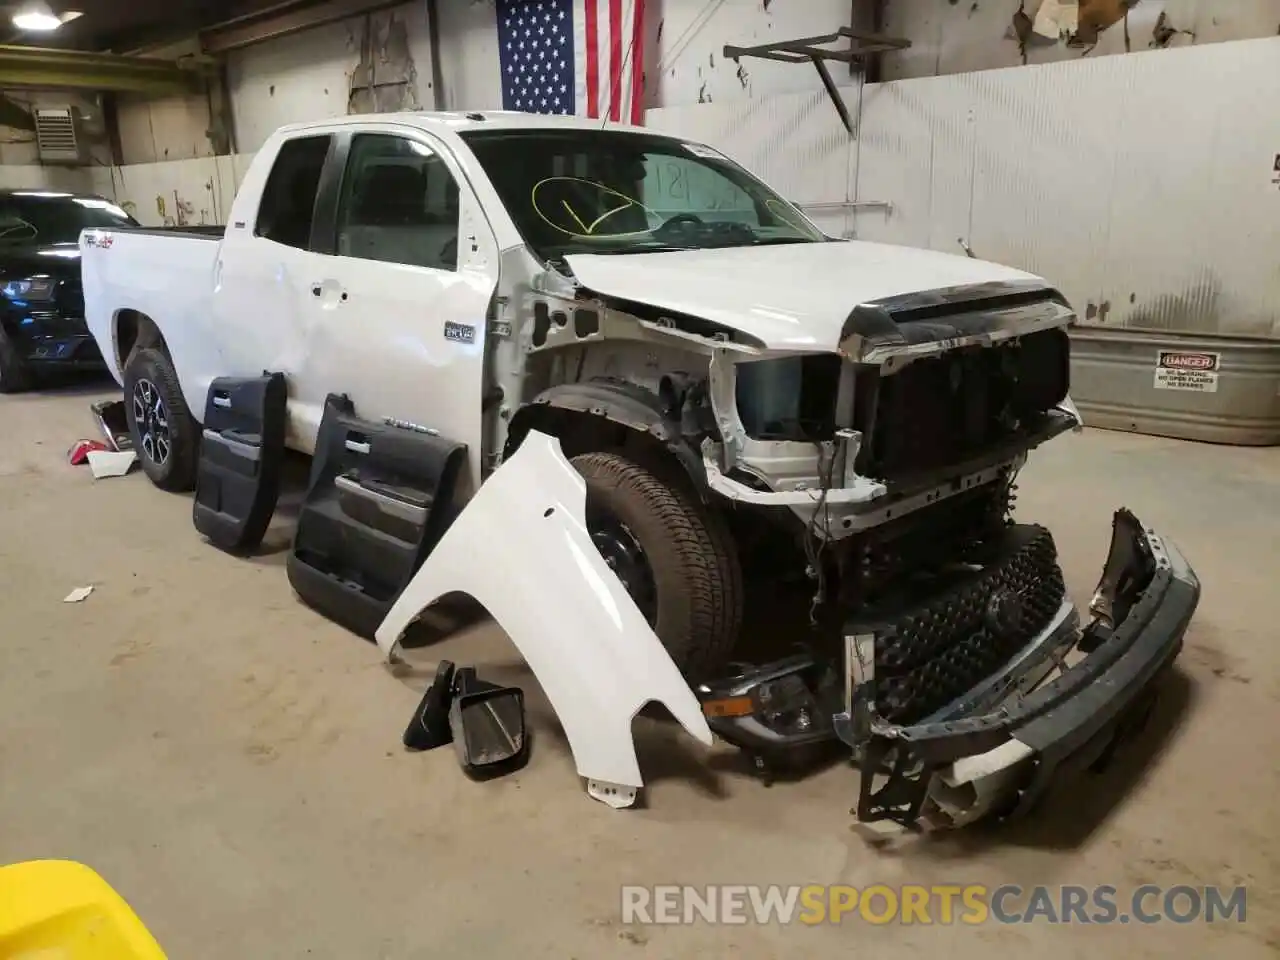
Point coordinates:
pixel 1178 370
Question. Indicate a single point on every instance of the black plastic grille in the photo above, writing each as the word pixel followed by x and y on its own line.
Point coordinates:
pixel 942 410
pixel 929 654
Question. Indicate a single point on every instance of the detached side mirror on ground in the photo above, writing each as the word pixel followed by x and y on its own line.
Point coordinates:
pixel 484 722
pixel 487 722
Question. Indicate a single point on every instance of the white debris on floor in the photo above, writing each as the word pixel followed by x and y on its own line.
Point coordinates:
pixel 111 463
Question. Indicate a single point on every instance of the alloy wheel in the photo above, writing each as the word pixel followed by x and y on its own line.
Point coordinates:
pixel 152 420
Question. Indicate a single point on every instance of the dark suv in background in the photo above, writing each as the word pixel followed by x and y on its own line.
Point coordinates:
pixel 41 305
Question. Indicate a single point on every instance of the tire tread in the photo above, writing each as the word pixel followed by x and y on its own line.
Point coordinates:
pixel 708 577
pixel 180 476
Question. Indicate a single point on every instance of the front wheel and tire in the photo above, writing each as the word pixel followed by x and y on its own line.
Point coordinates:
pixel 165 435
pixel 675 558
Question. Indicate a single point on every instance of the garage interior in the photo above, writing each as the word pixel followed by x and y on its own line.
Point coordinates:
pixel 230 760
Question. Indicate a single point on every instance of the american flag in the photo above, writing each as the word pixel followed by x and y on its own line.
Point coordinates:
pixel 573 56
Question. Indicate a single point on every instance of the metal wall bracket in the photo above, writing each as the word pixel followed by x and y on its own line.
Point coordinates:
pixel 809 50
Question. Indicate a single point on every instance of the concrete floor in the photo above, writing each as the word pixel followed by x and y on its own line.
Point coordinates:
pixel 230 761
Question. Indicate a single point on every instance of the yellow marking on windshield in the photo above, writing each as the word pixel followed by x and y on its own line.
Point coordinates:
pixel 589 231
pixel 600 219
pixel 569 210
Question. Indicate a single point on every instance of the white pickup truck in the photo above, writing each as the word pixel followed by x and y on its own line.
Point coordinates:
pixel 743 397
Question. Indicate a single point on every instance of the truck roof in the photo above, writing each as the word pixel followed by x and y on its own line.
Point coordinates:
pixel 460 121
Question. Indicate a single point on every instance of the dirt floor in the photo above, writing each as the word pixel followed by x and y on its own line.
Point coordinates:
pixel 231 762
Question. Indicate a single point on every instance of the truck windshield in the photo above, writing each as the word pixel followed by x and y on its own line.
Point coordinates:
pixel 610 191
pixel 38 216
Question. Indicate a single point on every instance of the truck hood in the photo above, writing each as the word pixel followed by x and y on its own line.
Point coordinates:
pixel 790 297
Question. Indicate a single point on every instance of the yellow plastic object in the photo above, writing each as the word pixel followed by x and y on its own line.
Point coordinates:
pixel 60 910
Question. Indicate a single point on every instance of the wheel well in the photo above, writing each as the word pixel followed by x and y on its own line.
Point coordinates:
pixel 135 331
pixel 580 432
pixel 759 542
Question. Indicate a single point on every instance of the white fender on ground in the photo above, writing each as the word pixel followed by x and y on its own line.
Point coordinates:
pixel 521 548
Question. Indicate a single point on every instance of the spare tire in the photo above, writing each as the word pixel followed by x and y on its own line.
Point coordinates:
pixel 165 435
pixel 676 558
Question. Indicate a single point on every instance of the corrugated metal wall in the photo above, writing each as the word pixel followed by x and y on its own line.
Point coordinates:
pixel 1143 185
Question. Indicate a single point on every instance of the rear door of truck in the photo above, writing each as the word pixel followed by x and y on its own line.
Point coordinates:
pixel 262 306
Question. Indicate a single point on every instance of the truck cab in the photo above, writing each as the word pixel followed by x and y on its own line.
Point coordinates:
pixel 342 266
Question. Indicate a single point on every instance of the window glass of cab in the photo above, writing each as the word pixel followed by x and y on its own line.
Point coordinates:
pixel 287 210
pixel 398 204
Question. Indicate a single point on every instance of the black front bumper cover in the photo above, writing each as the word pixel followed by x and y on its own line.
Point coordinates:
pixel 1154 592
pixel 1146 598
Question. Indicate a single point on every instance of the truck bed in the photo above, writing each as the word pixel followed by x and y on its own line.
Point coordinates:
pixel 166 274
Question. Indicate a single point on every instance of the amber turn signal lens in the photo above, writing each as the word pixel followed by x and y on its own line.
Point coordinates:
pixel 728 707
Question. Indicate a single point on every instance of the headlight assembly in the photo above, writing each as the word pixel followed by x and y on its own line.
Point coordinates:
pixel 30 288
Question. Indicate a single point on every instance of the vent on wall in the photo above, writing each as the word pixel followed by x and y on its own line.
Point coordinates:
pixel 60 136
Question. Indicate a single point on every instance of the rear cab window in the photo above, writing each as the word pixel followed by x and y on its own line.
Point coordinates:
pixel 287 212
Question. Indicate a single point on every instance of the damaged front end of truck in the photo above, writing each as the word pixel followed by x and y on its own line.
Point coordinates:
pixel 942 650
pixel 1061 700
pixel 948 657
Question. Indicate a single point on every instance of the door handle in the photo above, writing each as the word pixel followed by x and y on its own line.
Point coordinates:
pixel 317 290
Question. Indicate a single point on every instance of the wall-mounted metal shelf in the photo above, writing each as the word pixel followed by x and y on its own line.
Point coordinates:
pixel 811 50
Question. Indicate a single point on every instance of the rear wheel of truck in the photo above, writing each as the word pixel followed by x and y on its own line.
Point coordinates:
pixel 15 377
pixel 675 558
pixel 165 435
